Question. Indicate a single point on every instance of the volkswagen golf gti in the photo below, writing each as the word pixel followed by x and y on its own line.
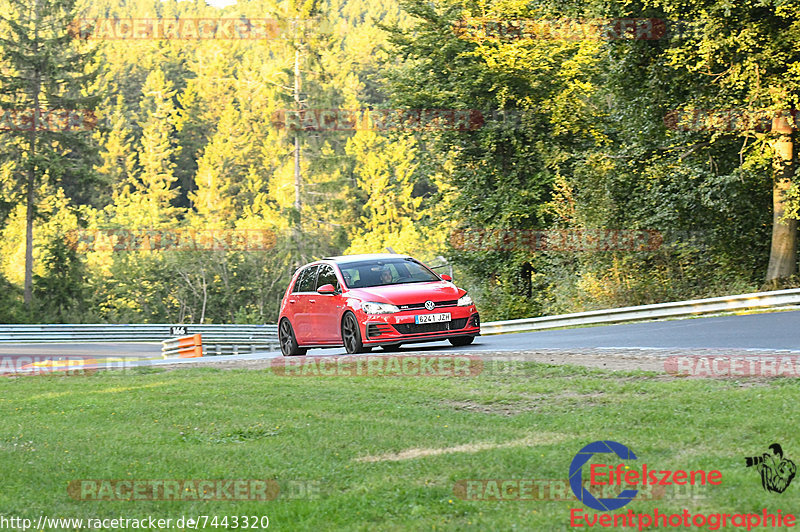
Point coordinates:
pixel 363 301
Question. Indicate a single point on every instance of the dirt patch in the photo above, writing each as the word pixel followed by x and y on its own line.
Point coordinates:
pixel 502 409
pixel 588 358
pixel 529 402
pixel 501 363
pixel 218 363
pixel 411 454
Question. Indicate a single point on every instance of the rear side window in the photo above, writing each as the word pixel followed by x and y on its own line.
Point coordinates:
pixel 306 279
pixel 327 276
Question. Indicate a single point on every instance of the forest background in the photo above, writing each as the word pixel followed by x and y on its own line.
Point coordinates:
pixel 613 153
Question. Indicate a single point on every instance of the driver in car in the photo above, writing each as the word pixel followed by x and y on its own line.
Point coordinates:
pixel 386 276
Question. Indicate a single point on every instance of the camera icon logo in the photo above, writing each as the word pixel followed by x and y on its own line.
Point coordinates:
pixel 776 471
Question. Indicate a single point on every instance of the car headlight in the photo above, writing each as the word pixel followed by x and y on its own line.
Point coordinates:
pixel 370 307
pixel 465 301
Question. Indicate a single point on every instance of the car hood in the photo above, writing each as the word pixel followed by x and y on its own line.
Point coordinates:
pixel 404 294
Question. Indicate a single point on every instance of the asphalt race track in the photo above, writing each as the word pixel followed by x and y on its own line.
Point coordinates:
pixel 776 330
pixel 768 331
pixel 80 350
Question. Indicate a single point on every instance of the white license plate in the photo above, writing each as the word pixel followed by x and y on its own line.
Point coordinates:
pixel 432 318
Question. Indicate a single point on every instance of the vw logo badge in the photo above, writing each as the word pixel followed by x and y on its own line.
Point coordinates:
pixel 429 305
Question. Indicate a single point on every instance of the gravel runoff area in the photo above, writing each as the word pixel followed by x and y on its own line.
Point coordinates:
pixel 611 359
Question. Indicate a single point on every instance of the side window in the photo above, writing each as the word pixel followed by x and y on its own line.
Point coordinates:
pixel 305 281
pixel 299 280
pixel 327 276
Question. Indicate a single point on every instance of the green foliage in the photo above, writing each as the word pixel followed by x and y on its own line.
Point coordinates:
pixel 11 310
pixel 60 293
pixel 572 137
pixel 588 147
pixel 44 73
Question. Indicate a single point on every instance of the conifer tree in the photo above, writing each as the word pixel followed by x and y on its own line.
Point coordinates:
pixel 43 71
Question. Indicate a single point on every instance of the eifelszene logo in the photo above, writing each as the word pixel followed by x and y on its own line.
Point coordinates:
pixel 776 471
pixel 576 475
pixel 621 475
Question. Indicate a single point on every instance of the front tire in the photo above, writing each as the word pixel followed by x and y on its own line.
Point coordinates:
pixel 351 334
pixel 460 341
pixel 288 342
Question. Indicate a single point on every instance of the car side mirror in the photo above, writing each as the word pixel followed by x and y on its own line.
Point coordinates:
pixel 326 289
pixel 446 277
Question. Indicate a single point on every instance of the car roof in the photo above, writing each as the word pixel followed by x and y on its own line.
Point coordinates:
pixel 344 259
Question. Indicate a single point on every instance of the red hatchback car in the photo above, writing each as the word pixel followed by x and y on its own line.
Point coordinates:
pixel 361 301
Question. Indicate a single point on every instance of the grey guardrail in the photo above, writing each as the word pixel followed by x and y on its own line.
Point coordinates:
pixel 219 339
pixel 246 336
pixel 676 309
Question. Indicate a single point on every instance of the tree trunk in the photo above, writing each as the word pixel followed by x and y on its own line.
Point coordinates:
pixel 35 88
pixel 783 253
pixel 298 179
pixel 30 199
pixel 29 207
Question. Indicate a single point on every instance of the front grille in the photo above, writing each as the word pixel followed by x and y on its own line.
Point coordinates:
pixel 460 323
pixel 414 328
pixel 437 304
pixel 377 329
pixel 418 328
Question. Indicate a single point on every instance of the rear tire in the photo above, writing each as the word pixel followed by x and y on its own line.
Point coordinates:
pixel 459 341
pixel 288 342
pixel 351 335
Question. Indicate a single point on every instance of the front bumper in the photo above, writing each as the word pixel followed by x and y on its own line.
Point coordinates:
pixel 400 327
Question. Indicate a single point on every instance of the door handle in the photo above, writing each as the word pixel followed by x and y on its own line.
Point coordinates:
pixel 312 300
pixel 291 301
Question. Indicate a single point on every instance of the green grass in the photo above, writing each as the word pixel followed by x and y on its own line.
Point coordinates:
pixel 213 424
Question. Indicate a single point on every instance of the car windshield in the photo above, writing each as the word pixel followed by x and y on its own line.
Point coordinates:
pixel 385 272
